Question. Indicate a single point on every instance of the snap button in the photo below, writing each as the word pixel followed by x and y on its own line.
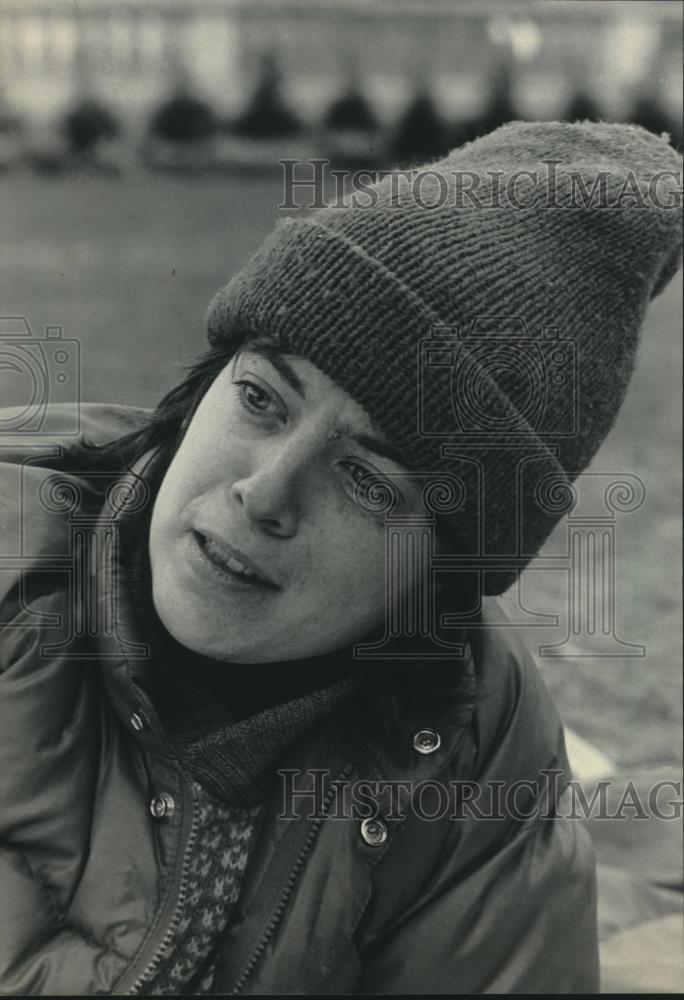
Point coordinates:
pixel 138 722
pixel 374 831
pixel 427 741
pixel 162 806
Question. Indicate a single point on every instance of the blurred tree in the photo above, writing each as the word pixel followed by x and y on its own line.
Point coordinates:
pixel 87 125
pixel 11 131
pixel 677 134
pixel 499 108
pixel 184 119
pixel 581 107
pixel 648 111
pixel 352 111
pixel 10 124
pixel 267 116
pixel 351 134
pixel 421 133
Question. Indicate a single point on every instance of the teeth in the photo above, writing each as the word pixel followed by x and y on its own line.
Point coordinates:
pixel 239 567
pixel 230 561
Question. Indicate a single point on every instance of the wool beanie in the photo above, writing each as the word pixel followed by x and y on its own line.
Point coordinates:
pixel 484 311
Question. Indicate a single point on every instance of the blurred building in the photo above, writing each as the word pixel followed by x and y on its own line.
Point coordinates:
pixel 131 52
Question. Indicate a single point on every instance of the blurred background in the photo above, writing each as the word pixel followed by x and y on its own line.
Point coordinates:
pixel 138 149
pixel 383 81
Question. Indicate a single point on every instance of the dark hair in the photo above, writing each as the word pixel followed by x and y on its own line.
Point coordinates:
pixel 393 684
pixel 167 423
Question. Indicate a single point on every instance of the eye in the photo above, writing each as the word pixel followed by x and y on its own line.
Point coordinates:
pixel 356 472
pixel 255 399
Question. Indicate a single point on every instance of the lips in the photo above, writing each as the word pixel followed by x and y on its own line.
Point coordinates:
pixel 231 561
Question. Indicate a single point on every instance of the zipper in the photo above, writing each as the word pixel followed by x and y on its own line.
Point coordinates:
pixel 279 908
pixel 180 903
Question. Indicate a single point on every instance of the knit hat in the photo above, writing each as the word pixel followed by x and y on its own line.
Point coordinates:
pixel 483 310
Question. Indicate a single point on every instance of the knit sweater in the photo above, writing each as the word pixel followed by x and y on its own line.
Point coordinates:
pixel 225 837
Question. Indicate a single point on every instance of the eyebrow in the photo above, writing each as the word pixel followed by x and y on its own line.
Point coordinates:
pixel 273 354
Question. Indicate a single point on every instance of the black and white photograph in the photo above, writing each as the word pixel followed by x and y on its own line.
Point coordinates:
pixel 341 497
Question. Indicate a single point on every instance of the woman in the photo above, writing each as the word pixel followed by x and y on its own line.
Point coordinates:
pixel 231 764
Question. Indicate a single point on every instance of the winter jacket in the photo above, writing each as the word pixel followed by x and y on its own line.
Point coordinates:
pixel 334 900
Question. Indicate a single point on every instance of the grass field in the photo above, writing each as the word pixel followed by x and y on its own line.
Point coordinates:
pixel 127 267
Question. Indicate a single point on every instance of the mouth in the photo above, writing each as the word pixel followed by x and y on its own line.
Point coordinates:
pixel 226 563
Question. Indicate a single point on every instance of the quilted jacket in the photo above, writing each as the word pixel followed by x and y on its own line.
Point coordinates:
pixel 418 898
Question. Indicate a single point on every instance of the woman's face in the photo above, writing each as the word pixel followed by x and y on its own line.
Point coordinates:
pixel 264 480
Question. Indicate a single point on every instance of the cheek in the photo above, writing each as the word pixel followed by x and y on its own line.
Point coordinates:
pixel 352 552
pixel 184 480
pixel 174 491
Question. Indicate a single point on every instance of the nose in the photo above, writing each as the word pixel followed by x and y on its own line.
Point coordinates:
pixel 271 491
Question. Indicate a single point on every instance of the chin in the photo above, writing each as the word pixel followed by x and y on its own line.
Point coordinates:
pixel 189 627
pixel 180 619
